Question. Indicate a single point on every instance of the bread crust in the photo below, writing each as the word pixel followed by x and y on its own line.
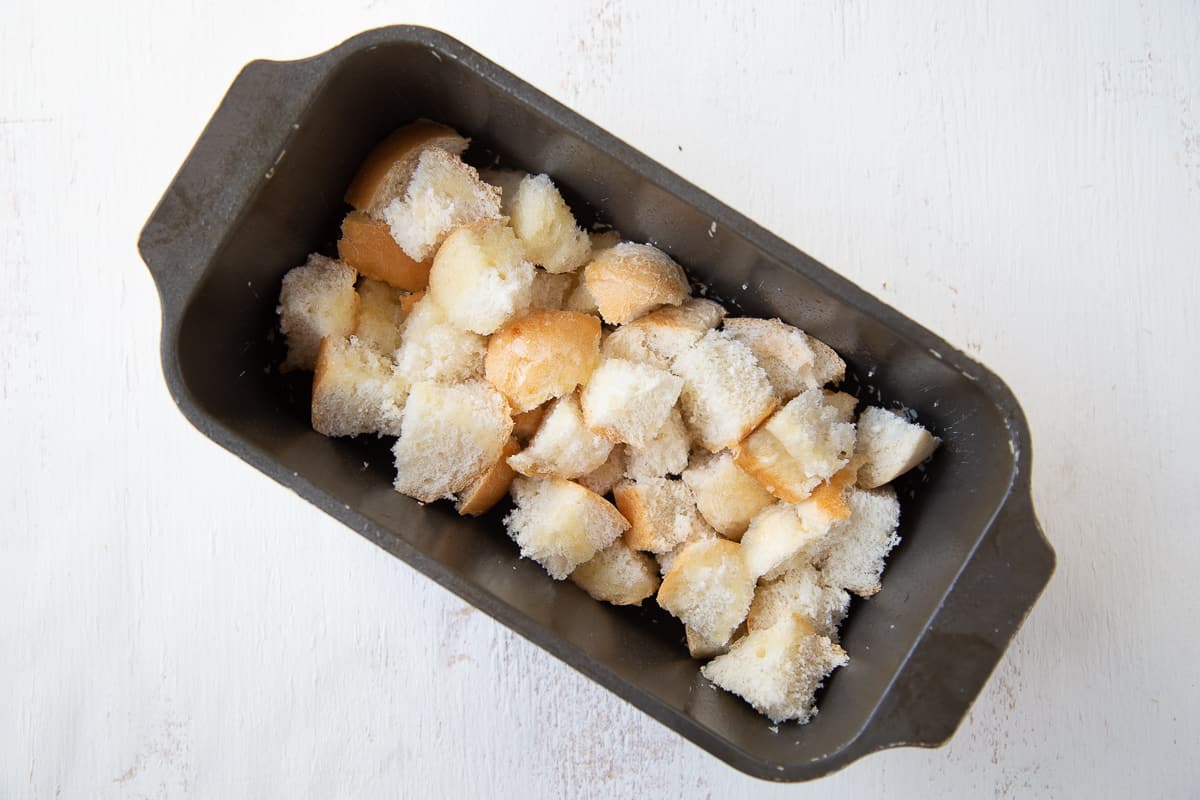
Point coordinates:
pixel 367 246
pixel 387 168
pixel 542 355
pixel 491 486
pixel 629 280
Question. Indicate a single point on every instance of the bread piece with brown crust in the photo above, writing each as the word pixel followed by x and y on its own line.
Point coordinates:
pixel 542 355
pixel 661 514
pixel 726 495
pixel 492 485
pixel 709 589
pixel 367 246
pixel 560 524
pixel 317 299
pixel 563 446
pixel 618 574
pixel 385 173
pixel 629 280
pixel 890 446
pixel 354 390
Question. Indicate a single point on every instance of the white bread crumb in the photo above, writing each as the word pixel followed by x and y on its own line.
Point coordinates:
pixel 827 366
pixel 434 349
pixel 658 337
pixel 857 547
pixel 709 589
pixel 618 574
pixel 726 495
pixel 665 454
pixel 629 402
pixel 381 312
pixel 480 278
pixel 544 224
pixel 725 393
pixel 563 446
pixel 799 590
pixel 776 536
pixel 316 300
pixel 891 446
pixel 355 391
pixel 781 350
pixel 551 290
pixel 560 524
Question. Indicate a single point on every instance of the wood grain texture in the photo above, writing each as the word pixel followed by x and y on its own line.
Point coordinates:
pixel 1023 179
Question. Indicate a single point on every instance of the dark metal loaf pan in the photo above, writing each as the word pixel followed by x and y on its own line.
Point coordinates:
pixel 263 187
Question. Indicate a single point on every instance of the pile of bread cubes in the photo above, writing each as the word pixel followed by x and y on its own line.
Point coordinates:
pixel 653 446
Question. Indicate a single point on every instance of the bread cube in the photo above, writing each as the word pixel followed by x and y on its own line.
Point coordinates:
pixel 544 224
pixel 776 536
pixel 629 402
pixel 316 300
pixel 386 171
pixel 665 454
pixel 355 391
pixel 563 446
pixel 603 478
pixel 801 445
pixel 434 349
pixel 661 513
pixel 890 445
pixel 726 495
pixel 709 589
pixel 489 487
pixel 781 350
pixel 778 669
pixel 480 277
pixel 368 247
pixel 658 337
pixel 799 591
pixel 543 355
pixel 725 393
pixel 560 524
pixel 442 194
pixel 618 574
pixel 450 436
pixel 629 280
pixel 853 557
pixel 381 313
pixel 699 533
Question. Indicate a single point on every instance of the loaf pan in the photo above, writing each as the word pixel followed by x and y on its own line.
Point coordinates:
pixel 262 187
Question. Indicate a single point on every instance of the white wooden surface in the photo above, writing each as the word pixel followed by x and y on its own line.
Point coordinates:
pixel 1023 179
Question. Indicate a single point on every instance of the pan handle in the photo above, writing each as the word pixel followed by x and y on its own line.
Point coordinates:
pixel 952 661
pixel 233 155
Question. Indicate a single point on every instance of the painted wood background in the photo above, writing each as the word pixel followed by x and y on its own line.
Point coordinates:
pixel 1023 178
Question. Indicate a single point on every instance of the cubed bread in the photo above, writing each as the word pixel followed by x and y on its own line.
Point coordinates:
pixel 367 246
pixel 802 444
pixel 489 487
pixel 665 454
pixel 451 435
pixel 354 390
pixel 551 290
pixel 890 445
pixel 709 589
pixel 316 300
pixel 434 349
pixel 778 669
pixel 827 366
pixel 603 478
pixel 542 355
pixel 563 446
pixel 853 558
pixel 443 194
pixel 725 393
pixel 480 277
pixel 658 337
pixel 799 591
pixel 381 313
pixel 560 524
pixel 385 173
pixel 776 536
pixel 526 423
pixel 781 350
pixel 629 280
pixel 546 227
pixel 629 402
pixel 726 495
pixel 661 513
pixel 618 574
pixel 699 534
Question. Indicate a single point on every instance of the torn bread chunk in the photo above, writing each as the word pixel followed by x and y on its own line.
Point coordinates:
pixel 844 402
pixel 778 669
pixel 386 171
pixel 480 277
pixel 551 290
pixel 316 300
pixel 618 574
pixel 661 513
pixel 560 524
pixel 726 495
pixel 777 535
pixel 546 227
pixel 443 194
pixel 801 445
pixel 563 446
pixel 725 393
pixel 799 590
pixel 434 349
pixel 709 589
pixel 381 312
pixel 451 435
pixel 367 246
pixel 603 478
pixel 658 337
pixel 580 300
pixel 890 445
pixel 699 533
pixel 354 390
pixel 629 402
pixel 665 454
pixel 542 355
pixel 629 280
pixel 853 558
pixel 781 350
pixel 491 486
pixel 827 366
